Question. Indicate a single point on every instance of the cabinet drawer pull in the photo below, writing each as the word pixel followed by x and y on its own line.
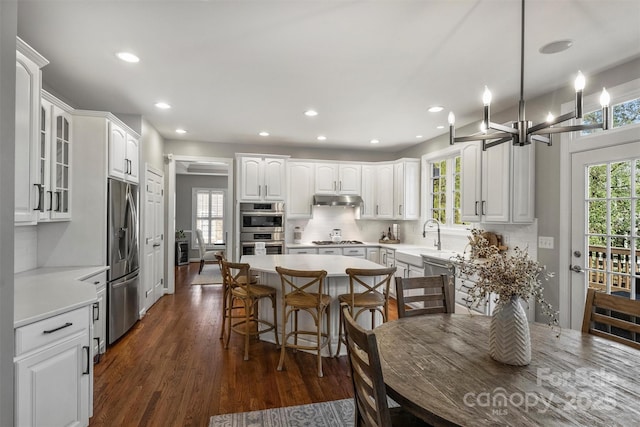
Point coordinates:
pixel 50 331
pixel 96 311
pixel 484 204
pixel 40 198
pixel 476 207
pixel 88 350
pixel 58 199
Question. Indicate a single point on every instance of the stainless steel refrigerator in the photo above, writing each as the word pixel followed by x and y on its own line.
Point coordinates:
pixel 122 257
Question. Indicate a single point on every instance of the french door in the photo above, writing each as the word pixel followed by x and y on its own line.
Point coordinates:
pixel 605 222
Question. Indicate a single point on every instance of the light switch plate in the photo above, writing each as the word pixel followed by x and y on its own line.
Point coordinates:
pixel 545 242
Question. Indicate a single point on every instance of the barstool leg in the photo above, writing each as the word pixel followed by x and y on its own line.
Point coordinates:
pixel 283 346
pixel 247 315
pixel 319 342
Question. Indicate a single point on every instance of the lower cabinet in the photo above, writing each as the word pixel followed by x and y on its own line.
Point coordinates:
pixel 54 371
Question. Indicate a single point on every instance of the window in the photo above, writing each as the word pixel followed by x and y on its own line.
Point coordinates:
pixel 208 214
pixel 623 114
pixel 444 187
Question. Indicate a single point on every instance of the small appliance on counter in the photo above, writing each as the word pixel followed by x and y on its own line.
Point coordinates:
pixel 336 235
pixel 297 235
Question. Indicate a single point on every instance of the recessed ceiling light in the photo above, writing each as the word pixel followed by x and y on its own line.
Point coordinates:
pixel 181 131
pixel 418 136
pixel 322 138
pixel 556 46
pixel 436 109
pixel 263 133
pixel 311 113
pixel 374 141
pixel 128 57
pixel 163 105
pixel 440 127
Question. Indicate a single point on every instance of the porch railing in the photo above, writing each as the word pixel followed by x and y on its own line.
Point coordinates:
pixel 616 268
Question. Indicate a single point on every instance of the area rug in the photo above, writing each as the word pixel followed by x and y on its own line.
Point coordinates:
pixel 336 413
pixel 210 276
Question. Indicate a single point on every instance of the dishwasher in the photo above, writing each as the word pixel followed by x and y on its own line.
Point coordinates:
pixel 437 266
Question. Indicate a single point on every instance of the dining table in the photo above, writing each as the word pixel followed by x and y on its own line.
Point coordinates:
pixel 438 367
pixel 336 283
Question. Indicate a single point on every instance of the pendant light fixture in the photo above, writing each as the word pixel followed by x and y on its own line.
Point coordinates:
pixel 523 132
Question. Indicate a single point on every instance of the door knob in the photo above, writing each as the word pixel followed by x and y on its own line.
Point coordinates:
pixel 576 269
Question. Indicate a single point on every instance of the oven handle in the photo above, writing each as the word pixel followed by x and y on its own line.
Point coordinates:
pixel 256 213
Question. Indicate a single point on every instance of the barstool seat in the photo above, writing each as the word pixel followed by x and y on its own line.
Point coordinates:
pixel 242 294
pixel 302 290
pixel 368 291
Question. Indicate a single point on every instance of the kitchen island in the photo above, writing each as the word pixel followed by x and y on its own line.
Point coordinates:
pixel 336 283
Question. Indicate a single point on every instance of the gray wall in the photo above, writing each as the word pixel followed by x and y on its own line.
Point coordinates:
pixel 152 145
pixel 184 185
pixel 8 28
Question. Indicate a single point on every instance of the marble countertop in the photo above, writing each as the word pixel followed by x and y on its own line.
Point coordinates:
pixel 335 265
pixel 47 292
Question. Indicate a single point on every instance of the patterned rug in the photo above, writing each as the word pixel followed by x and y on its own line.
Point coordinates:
pixel 210 276
pixel 336 413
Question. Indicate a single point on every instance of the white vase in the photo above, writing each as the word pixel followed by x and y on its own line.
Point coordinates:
pixel 509 340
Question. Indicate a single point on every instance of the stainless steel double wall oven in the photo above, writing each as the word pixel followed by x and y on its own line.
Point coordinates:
pixel 262 222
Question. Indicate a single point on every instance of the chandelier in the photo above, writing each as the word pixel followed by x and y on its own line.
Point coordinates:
pixel 523 132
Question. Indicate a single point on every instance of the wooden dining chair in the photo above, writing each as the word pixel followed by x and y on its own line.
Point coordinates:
pixel 242 293
pixel 302 290
pixel 423 295
pixel 371 405
pixel 368 291
pixel 612 317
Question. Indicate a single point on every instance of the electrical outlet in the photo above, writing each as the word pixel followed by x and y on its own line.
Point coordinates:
pixel 545 242
pixel 505 239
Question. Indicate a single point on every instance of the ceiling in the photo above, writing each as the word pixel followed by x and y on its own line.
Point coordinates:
pixel 371 69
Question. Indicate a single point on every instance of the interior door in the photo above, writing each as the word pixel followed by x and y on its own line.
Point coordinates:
pixel 605 210
pixel 154 238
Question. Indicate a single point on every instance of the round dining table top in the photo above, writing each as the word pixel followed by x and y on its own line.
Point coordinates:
pixel 438 367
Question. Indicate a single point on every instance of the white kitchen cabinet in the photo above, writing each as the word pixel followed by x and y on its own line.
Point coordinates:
pixel 55 160
pixel 497 184
pixel 387 257
pixel 262 178
pixel 302 251
pixel 330 251
pixel 99 315
pixel 384 191
pixel 124 153
pixel 338 178
pixel 300 184
pixel 356 252
pixel 406 194
pixel 27 128
pixel 53 371
pixel 373 254
pixel 368 207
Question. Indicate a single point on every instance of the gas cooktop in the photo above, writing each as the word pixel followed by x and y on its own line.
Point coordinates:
pixel 341 242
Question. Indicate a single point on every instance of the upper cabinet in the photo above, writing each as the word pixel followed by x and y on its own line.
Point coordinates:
pixel 261 178
pixel 300 179
pixel 368 208
pixel 55 159
pixel 497 185
pixel 384 191
pixel 28 188
pixel 406 194
pixel 338 178
pixel 124 154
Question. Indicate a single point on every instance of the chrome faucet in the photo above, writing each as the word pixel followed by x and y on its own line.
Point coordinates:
pixel 424 231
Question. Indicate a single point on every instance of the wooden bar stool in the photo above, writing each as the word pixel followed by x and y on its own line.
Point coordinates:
pixel 227 310
pixel 368 291
pixel 302 291
pixel 242 291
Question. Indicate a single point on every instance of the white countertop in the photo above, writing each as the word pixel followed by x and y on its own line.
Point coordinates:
pixel 403 248
pixel 47 292
pixel 335 265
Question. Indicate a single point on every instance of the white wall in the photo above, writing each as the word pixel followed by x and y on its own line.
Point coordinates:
pixel 8 28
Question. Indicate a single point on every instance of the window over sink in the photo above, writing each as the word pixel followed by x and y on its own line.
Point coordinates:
pixel 443 189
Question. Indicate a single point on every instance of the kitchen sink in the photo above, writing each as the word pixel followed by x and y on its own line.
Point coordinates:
pixel 415 256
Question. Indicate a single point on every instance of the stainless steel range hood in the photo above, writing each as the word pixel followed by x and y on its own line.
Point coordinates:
pixel 343 201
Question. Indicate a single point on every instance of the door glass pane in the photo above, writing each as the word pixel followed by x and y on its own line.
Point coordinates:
pixel 597 181
pixel 621 179
pixel 66 129
pixel 637 173
pixel 626 113
pixel 597 217
pixel 66 153
pixel 621 217
pixel 59 151
pixel 59 127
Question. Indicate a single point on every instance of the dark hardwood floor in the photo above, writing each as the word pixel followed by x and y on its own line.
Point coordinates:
pixel 171 368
